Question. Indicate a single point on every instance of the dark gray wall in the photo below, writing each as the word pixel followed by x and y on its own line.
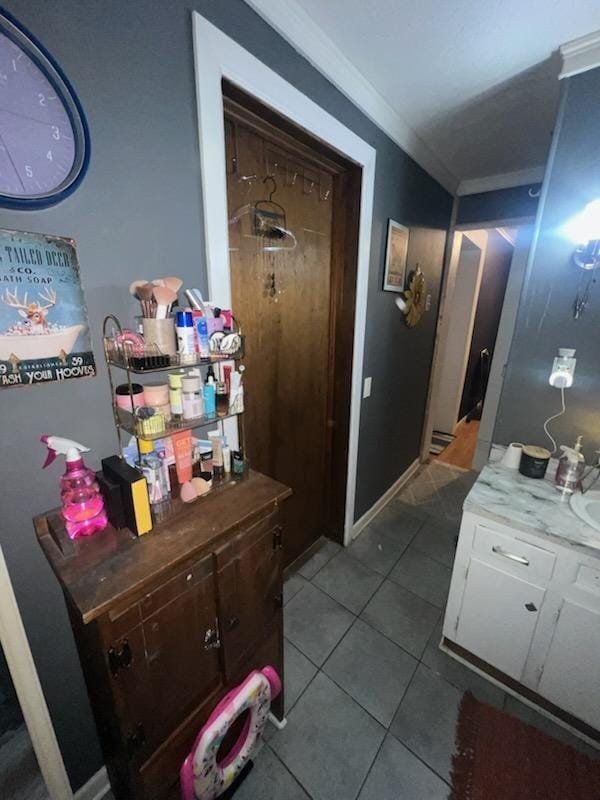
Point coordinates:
pixel 498 255
pixel 502 204
pixel 138 214
pixel 545 320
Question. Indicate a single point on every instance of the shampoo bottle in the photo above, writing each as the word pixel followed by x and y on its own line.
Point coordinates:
pixel 571 466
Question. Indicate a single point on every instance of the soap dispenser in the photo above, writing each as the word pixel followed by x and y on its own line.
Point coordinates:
pixel 571 466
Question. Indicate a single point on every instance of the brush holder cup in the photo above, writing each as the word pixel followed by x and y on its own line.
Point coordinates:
pixel 161 333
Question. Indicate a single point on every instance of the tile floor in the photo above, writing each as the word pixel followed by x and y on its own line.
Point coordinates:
pixel 371 701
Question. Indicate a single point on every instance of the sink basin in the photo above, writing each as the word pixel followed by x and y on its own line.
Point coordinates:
pixel 587 507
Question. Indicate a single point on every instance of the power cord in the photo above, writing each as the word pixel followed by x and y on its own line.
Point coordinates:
pixel 555 416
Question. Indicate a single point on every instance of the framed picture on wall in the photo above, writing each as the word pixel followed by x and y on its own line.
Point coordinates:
pixel 395 257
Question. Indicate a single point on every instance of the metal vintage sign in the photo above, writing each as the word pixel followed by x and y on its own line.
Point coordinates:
pixel 44 330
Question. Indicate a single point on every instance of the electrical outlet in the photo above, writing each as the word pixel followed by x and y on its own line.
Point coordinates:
pixel 367 388
pixel 427 302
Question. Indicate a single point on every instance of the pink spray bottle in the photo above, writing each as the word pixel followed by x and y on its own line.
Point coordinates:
pixel 82 504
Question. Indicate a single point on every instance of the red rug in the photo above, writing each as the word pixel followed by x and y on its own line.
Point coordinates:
pixel 501 758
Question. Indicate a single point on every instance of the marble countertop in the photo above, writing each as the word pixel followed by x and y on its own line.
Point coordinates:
pixel 506 496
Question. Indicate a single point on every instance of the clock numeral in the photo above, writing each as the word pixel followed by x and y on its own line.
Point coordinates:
pixel 55 133
pixel 28 171
pixel 49 155
pixel 14 64
pixel 42 98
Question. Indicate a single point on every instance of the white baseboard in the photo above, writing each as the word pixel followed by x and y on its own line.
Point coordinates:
pixel 385 498
pixel 96 788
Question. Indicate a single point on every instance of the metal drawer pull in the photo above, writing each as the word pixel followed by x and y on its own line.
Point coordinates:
pixel 519 559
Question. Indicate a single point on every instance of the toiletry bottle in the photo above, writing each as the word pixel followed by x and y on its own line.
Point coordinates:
pixel 222 396
pixel 202 337
pixel 210 406
pixel 210 373
pixel 193 405
pixel 82 504
pixel 175 393
pixel 185 336
pixel 571 466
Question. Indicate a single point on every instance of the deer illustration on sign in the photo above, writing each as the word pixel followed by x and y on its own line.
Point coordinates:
pixel 34 314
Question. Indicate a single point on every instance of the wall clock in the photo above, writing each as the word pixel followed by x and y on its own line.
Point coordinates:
pixel 44 141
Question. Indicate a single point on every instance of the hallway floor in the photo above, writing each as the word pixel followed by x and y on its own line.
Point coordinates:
pixel 461 451
pixel 371 701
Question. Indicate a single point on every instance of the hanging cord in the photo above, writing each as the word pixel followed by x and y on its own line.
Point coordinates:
pixel 555 416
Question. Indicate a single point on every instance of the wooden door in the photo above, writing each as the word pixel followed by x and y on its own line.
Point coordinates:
pixel 498 617
pixel 282 298
pixel 250 591
pixel 571 675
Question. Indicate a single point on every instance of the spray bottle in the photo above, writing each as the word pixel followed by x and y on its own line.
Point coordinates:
pixel 82 504
pixel 571 466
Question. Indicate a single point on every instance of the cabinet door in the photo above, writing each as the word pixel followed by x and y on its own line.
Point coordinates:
pixel 498 616
pixel 174 659
pixel 571 674
pixel 250 592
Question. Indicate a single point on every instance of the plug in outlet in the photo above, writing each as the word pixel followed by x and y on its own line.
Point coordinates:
pixel 563 369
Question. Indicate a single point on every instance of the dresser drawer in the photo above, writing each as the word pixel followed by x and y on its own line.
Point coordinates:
pixel 513 554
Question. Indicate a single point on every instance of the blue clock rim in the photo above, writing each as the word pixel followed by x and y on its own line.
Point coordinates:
pixel 33 203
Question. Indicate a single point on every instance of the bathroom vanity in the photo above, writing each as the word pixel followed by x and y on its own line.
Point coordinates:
pixel 524 603
pixel 167 623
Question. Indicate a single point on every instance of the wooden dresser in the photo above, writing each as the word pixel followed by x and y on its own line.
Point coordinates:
pixel 166 624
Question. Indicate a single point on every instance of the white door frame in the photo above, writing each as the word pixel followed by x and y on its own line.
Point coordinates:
pixel 216 56
pixel 29 691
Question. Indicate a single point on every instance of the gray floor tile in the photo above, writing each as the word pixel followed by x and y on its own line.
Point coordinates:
pixel 398 521
pixel 423 576
pixel 319 559
pixel 426 720
pixel 398 775
pixel 270 780
pixel 532 717
pixel 292 586
pixel 329 742
pixel 348 581
pixel 457 674
pixel 315 623
pixel 372 669
pixel 402 616
pixel 377 550
pixel 298 673
pixel 437 539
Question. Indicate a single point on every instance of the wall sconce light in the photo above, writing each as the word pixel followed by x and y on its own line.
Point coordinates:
pixel 584 229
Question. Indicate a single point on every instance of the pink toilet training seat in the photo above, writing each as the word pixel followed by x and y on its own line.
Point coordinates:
pixel 202 776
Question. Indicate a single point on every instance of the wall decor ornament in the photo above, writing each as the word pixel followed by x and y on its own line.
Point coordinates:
pixel 44 330
pixel 414 298
pixel 395 257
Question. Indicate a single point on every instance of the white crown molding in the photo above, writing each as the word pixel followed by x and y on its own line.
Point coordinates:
pixel 506 180
pixel 305 36
pixel 580 55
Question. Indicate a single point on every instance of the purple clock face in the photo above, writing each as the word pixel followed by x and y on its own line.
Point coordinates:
pixel 38 151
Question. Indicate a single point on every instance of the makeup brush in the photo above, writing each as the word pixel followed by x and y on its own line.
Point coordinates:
pixel 133 287
pixel 145 292
pixel 163 297
pixel 173 283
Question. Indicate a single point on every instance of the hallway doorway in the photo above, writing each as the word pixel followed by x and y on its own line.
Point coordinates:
pixel 473 306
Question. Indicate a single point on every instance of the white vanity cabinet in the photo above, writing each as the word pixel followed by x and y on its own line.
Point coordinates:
pixel 529 607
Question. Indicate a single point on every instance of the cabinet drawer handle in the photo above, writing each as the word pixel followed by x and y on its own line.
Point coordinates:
pixel 511 556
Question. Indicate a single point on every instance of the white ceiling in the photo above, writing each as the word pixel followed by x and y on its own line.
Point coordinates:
pixel 477 82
